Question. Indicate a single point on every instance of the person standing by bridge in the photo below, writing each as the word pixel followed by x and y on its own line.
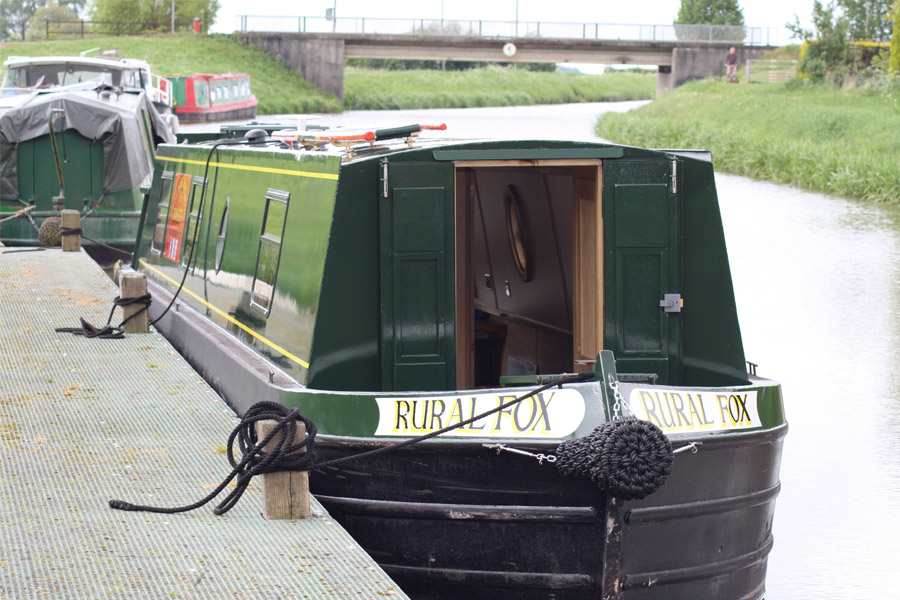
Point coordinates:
pixel 731 59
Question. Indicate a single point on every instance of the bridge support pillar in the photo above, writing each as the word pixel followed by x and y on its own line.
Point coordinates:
pixel 664 79
pixel 699 63
pixel 317 60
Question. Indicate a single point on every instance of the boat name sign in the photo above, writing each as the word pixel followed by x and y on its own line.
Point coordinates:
pixel 687 411
pixel 549 414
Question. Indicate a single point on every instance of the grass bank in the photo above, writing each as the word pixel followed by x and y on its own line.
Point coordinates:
pixel 366 89
pixel 841 142
pixel 278 89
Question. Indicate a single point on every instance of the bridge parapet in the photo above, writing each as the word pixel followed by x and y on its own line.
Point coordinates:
pixel 716 34
pixel 319 57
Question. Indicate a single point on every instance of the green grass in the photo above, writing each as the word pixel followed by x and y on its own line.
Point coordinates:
pixel 278 89
pixel 842 142
pixel 491 86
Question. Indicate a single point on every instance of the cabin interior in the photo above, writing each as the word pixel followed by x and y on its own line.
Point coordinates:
pixel 529 264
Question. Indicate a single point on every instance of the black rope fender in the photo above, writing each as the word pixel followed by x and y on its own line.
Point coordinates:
pixel 109 332
pixel 627 458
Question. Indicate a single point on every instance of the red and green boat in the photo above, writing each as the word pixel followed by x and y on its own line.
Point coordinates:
pixel 206 97
pixel 389 286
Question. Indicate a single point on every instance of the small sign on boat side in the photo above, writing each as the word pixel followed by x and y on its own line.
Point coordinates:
pixel 693 411
pixel 550 414
pixel 177 212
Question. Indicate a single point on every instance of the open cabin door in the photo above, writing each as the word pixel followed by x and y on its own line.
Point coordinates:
pixel 529 268
pixel 417 252
pixel 643 284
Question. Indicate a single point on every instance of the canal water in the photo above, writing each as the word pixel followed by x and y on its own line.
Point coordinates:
pixel 817 282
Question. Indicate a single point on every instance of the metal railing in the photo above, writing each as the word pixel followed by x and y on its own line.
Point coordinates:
pixel 82 28
pixel 748 36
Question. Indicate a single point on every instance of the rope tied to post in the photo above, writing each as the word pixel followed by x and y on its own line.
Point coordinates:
pixel 284 456
pixel 64 231
pixel 109 332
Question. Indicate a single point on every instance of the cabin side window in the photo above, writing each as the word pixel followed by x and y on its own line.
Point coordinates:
pixel 269 251
pixel 162 214
pixel 193 220
pixel 223 234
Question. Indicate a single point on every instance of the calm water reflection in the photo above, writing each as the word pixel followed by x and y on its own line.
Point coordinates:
pixel 817 281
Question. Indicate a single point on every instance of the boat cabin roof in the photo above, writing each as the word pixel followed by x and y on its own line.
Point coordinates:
pixel 420 263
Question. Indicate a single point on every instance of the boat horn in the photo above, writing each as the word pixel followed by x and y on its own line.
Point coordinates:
pixel 628 458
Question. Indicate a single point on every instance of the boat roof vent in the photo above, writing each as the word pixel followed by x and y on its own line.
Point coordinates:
pixel 256 137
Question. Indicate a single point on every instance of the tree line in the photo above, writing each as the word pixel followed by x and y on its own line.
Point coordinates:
pixel 26 19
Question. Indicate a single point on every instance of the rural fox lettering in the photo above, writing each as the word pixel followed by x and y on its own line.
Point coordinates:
pixel 686 411
pixel 550 414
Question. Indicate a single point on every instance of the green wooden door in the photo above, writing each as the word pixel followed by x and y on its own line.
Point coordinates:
pixel 417 254
pixel 641 223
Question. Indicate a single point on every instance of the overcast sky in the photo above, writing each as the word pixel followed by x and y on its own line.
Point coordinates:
pixel 757 13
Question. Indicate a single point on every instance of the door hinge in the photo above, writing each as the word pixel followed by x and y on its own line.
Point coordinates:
pixel 672 303
pixel 384 178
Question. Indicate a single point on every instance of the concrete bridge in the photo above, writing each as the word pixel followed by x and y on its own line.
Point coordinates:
pixel 681 53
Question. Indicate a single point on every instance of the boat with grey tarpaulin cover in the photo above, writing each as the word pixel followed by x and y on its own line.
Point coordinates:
pixel 562 312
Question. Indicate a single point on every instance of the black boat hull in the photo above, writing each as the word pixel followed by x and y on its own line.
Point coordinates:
pixel 452 519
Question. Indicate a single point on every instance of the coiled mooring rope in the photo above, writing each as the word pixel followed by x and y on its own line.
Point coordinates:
pixel 284 456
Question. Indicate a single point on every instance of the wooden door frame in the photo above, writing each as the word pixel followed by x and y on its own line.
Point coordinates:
pixel 465 330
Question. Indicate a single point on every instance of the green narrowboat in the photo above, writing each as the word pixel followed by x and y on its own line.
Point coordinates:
pixel 205 97
pixel 389 286
pixel 87 148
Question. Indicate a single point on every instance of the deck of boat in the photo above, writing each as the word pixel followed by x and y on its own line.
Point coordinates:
pixel 83 421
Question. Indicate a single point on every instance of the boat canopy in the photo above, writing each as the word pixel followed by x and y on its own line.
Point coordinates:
pixel 126 123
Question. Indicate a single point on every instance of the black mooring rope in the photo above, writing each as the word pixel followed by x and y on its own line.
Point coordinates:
pixel 256 461
pixel 64 231
pixel 285 456
pixel 108 332
pixel 107 246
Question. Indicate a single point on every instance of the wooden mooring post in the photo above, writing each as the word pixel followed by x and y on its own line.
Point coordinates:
pixel 70 219
pixel 285 495
pixel 134 285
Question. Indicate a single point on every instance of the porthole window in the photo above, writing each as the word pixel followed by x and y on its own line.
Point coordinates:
pixel 268 254
pixel 516 232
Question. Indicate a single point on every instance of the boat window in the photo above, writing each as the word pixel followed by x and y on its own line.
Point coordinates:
pixel 269 252
pixel 15 77
pixel 516 232
pixel 131 79
pixel 223 234
pixel 162 214
pixel 193 220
